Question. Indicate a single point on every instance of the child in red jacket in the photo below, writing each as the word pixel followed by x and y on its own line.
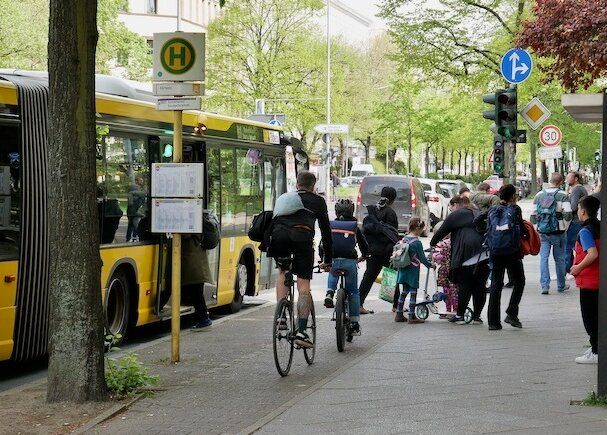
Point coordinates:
pixel 586 272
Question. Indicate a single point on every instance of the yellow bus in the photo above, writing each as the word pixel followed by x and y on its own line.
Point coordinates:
pixel 247 165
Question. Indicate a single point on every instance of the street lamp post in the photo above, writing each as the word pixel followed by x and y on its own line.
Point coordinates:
pixel 387 160
pixel 328 149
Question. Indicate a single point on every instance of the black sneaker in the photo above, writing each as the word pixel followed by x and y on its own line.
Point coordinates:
pixel 477 321
pixel 495 327
pixel 200 326
pixel 509 285
pixel 355 328
pixel 329 301
pixel 457 320
pixel 513 321
pixel 303 340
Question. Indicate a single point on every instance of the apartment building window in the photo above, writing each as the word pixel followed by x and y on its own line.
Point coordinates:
pixel 151 6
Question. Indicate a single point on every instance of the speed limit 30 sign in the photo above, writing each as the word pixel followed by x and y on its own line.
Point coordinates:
pixel 551 136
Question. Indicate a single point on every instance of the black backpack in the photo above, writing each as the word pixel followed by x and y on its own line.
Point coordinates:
pixel 211 232
pixel 261 228
pixel 373 227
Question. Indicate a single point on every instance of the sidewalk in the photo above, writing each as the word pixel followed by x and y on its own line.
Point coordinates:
pixel 431 378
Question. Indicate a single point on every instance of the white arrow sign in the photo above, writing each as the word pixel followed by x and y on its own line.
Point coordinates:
pixel 332 129
pixel 523 68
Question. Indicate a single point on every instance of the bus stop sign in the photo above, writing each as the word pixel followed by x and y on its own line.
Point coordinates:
pixel 179 56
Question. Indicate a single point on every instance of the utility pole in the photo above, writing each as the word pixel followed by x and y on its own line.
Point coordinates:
pixel 179 15
pixel 328 160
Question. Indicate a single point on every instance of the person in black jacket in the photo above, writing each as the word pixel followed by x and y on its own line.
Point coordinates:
pixel 513 263
pixel 466 242
pixel 380 246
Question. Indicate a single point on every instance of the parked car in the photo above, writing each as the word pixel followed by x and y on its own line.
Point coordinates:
pixel 437 199
pixel 410 199
pixel 523 187
pixel 452 186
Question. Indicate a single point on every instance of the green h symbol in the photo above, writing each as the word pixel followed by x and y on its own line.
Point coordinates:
pixel 173 56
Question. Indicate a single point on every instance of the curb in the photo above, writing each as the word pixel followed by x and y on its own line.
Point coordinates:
pixel 110 413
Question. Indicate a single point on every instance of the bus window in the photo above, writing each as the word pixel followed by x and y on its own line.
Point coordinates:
pixel 269 189
pixel 10 192
pixel 248 200
pixel 126 184
pixel 228 187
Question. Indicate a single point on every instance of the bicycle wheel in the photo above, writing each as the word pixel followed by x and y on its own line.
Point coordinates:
pixel 468 315
pixel 421 312
pixel 340 319
pixel 309 353
pixel 283 338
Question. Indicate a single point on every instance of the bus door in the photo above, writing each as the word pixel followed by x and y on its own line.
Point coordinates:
pixel 274 185
pixel 198 267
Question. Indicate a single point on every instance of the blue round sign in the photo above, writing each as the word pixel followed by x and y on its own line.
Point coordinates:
pixel 516 65
pixel 275 122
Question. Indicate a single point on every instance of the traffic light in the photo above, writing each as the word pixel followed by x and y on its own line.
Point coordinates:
pixel 498 156
pixel 503 114
pixel 506 113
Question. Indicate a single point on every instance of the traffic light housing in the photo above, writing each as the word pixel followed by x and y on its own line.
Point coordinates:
pixel 506 113
pixel 498 156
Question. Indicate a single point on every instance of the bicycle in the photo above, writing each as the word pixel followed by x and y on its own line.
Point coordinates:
pixel 284 330
pixel 341 312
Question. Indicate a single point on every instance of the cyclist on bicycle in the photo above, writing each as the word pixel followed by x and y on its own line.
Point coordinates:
pixel 295 214
pixel 346 235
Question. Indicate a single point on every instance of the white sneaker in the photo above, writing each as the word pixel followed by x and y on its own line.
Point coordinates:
pixel 588 358
pixel 569 276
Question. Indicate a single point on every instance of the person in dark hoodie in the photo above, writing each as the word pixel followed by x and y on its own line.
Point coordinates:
pixel 380 242
pixel 466 242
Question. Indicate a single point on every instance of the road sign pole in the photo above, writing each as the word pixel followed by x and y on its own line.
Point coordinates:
pixel 602 327
pixel 533 157
pixel 176 257
pixel 328 182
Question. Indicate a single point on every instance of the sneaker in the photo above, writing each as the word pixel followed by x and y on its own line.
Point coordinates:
pixel 513 321
pixel 495 327
pixel 413 320
pixel 457 320
pixel 545 291
pixel 477 321
pixel 303 340
pixel 355 328
pixel 588 358
pixel 365 311
pixel 200 326
pixel 400 318
pixel 329 301
pixel 569 277
pixel 562 289
pixel 509 285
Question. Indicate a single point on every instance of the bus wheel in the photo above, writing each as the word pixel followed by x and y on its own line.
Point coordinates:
pixel 240 289
pixel 117 303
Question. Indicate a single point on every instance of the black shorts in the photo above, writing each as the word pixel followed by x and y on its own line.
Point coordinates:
pixel 302 252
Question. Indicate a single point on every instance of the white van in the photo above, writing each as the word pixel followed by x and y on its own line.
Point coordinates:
pixel 358 172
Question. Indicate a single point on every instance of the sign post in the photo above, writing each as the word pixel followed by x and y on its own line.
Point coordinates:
pixel 179 58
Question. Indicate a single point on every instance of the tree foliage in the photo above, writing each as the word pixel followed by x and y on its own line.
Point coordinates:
pixel 573 34
pixel 24 37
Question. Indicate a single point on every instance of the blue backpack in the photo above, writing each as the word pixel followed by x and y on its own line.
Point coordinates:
pixel 503 231
pixel 343 234
pixel 546 219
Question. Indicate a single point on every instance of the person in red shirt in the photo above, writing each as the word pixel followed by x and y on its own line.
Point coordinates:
pixel 586 272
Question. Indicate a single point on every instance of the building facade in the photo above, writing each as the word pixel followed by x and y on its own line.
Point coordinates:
pixel 147 17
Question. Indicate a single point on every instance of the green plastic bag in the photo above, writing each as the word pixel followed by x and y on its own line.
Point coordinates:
pixel 388 284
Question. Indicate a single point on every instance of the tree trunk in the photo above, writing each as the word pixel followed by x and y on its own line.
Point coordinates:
pixel 367 145
pixel 410 154
pixel 427 161
pixel 75 369
pixel 342 157
pixel 451 162
pixel 459 163
pixel 465 162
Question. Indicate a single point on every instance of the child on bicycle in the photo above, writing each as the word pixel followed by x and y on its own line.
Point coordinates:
pixel 408 277
pixel 346 235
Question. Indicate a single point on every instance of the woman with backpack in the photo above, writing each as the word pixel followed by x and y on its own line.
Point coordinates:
pixel 466 243
pixel 505 229
pixel 380 229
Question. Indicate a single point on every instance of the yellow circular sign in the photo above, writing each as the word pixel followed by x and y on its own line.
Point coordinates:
pixel 177 56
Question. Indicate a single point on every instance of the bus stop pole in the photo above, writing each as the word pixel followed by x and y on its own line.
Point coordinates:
pixel 176 257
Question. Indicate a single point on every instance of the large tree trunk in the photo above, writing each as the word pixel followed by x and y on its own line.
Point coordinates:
pixel 466 162
pixel 342 158
pixel 75 370
pixel 410 153
pixel 367 146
